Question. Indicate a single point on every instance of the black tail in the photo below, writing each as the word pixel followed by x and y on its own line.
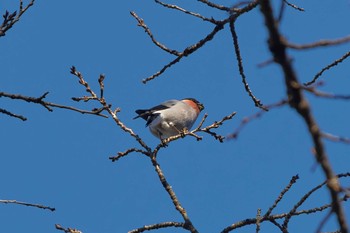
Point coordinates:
pixel 144 114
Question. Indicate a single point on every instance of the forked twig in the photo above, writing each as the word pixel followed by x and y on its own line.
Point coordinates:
pixel 11 19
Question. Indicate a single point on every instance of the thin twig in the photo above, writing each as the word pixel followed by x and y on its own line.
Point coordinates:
pixel 318 93
pixel 317 44
pixel 48 105
pixel 107 107
pixel 284 191
pixel 336 62
pixel 192 48
pixel 67 230
pixel 293 6
pixel 142 24
pixel 125 153
pixel 240 67
pixel 27 204
pixel 335 138
pixel 4 111
pixel 192 133
pixel 257 115
pixel 189 50
pixel 216 124
pixel 188 224
pixel 216 6
pixel 287 216
pixel 11 19
pixel 211 20
pixel 258 217
pixel 158 226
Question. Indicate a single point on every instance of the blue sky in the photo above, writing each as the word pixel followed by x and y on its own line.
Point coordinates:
pixel 60 159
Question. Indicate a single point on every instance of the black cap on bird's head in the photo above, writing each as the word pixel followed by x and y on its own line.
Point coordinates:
pixel 199 104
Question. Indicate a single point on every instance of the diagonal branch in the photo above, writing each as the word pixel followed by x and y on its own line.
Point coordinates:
pixel 336 62
pixel 4 111
pixel 11 19
pixel 300 104
pixel 142 24
pixel 189 50
pixel 286 216
pixel 188 224
pixel 234 13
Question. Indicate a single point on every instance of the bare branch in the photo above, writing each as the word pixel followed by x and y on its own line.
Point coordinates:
pixel 107 107
pixel 187 12
pixel 294 6
pixel 284 191
pixel 27 204
pixel 125 153
pixel 258 217
pixel 67 230
pixel 317 44
pixel 300 104
pixel 192 48
pixel 318 93
pixel 257 115
pixel 11 19
pixel 192 133
pixel 142 24
pixel 286 216
pixel 335 138
pixel 189 50
pixel 215 125
pixel 158 226
pixel 240 66
pixel 336 62
pixel 217 6
pixel 188 224
pixel 176 60
pixel 45 104
pixel 4 111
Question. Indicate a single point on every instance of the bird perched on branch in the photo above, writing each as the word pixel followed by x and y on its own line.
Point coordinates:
pixel 171 117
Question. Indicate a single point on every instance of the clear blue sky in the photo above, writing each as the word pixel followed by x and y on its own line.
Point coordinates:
pixel 60 159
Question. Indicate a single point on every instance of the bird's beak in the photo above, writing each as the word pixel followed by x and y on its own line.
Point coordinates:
pixel 201 106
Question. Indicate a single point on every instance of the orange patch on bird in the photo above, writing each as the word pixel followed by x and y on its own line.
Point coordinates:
pixel 192 104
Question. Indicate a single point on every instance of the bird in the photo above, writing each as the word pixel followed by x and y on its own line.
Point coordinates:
pixel 171 117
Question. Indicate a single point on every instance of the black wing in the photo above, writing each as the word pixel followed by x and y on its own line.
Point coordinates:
pixel 147 113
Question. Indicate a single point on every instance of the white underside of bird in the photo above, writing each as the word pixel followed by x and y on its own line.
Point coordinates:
pixel 172 117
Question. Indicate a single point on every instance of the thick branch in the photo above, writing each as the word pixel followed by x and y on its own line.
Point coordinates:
pixel 300 104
